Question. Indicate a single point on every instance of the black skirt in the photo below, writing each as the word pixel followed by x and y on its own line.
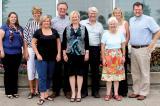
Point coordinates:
pixel 75 65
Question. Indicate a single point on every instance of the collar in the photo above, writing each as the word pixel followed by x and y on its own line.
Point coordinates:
pixel 138 18
pixel 62 17
pixel 89 22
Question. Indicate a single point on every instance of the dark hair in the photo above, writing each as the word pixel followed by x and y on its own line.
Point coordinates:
pixel 62 2
pixel 8 21
pixel 137 4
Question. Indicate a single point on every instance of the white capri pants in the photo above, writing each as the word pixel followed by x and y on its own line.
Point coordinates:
pixel 31 70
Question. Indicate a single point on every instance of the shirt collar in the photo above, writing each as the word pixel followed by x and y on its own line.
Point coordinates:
pixel 138 18
pixel 89 22
pixel 62 17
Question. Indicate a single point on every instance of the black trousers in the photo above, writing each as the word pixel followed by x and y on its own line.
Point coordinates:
pixel 61 78
pixel 123 85
pixel 11 65
pixel 94 61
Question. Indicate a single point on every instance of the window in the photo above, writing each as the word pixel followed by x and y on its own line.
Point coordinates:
pixel 104 7
pixel 24 8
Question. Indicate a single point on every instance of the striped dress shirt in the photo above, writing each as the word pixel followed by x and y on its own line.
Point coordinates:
pixel 29 30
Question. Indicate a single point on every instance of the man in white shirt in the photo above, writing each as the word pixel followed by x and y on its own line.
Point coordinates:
pixel 95 30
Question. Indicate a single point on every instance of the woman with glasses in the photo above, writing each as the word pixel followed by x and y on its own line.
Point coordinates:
pixel 11 42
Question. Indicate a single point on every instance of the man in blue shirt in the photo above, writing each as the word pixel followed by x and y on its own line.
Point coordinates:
pixel 144 33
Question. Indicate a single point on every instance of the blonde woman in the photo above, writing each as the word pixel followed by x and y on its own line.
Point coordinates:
pixel 124 28
pixel 47 47
pixel 31 26
pixel 113 52
pixel 75 47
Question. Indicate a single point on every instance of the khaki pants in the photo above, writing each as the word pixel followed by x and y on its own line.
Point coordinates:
pixel 140 70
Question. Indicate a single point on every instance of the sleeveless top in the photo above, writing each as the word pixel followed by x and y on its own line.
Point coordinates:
pixel 122 28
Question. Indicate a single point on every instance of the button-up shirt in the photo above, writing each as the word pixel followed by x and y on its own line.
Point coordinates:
pixel 95 32
pixel 142 29
pixel 59 24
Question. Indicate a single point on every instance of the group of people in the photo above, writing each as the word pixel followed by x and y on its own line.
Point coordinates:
pixel 61 51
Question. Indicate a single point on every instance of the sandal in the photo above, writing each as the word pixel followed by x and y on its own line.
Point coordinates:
pixel 10 96
pixel 78 100
pixel 107 97
pixel 36 94
pixel 118 98
pixel 30 95
pixel 41 101
pixel 49 98
pixel 72 99
pixel 16 95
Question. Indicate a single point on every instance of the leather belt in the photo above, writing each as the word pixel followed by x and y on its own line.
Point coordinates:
pixel 139 46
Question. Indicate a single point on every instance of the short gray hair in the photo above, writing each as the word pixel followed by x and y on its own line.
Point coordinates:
pixel 93 9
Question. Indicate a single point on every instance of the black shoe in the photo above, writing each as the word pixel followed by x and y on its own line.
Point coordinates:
pixel 96 95
pixel 84 95
pixel 16 95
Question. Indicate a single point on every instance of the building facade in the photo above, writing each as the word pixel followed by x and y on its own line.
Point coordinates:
pixel 23 9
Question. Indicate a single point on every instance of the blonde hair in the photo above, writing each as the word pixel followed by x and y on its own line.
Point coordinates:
pixel 111 19
pixel 73 13
pixel 43 18
pixel 36 9
pixel 118 9
pixel 94 9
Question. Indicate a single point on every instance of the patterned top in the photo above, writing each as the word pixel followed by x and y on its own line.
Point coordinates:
pixel 29 30
pixel 75 41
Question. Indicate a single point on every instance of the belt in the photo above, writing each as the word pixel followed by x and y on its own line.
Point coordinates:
pixel 139 46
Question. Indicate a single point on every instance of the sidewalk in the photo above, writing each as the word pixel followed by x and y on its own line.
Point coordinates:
pixel 152 100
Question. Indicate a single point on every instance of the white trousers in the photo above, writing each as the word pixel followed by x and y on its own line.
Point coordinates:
pixel 32 73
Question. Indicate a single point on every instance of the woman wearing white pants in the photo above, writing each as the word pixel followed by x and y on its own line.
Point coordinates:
pixel 31 26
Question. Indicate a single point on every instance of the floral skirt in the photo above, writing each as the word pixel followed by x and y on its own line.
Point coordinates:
pixel 113 70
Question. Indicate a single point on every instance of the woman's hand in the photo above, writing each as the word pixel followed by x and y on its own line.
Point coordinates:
pixel 86 56
pixel 26 55
pixel 58 57
pixel 2 54
pixel 103 62
pixel 65 57
pixel 39 57
pixel 123 59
